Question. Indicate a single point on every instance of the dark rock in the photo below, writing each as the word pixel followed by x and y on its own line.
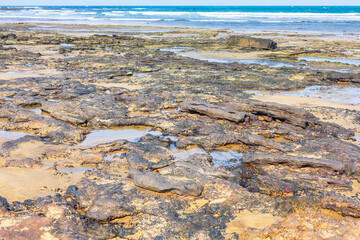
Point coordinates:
pixel 23 119
pixel 4 203
pixel 214 111
pixel 93 109
pixel 294 161
pixel 339 203
pixel 166 183
pixel 342 77
pixel 27 101
pixel 136 161
pixel 249 42
pixel 292 115
pixel 105 208
pixel 8 36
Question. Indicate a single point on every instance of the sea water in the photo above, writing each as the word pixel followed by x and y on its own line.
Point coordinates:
pixel 315 19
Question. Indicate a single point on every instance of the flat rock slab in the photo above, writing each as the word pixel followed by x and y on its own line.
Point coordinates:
pixel 93 109
pixel 166 183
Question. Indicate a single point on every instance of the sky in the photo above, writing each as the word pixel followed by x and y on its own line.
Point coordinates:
pixel 178 2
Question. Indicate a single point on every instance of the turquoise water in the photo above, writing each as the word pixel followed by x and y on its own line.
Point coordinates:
pixel 298 18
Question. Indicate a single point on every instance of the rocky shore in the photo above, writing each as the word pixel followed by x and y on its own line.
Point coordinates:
pixel 173 133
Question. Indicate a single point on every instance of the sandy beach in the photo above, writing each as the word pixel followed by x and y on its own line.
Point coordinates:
pixel 125 132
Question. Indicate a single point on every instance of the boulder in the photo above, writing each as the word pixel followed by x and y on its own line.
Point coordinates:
pixel 166 183
pixel 249 42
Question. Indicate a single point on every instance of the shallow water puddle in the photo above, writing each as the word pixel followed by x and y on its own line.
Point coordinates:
pixel 219 158
pixel 36 110
pixel 253 61
pixel 75 169
pixel 183 154
pixel 11 135
pixel 111 156
pixel 263 62
pixel 132 134
pixel 226 158
pixel 171 138
pixel 176 49
pixel 67 45
pixel 355 62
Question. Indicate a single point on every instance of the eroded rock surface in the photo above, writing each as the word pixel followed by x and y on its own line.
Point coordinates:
pixel 209 158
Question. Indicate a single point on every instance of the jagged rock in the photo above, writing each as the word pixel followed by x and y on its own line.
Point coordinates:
pixel 339 203
pixel 101 203
pixel 249 42
pixel 43 126
pixel 342 77
pixel 105 208
pixel 292 115
pixel 214 111
pixel 136 161
pixel 25 101
pixel 8 36
pixel 166 183
pixel 143 102
pixel 198 165
pixel 93 109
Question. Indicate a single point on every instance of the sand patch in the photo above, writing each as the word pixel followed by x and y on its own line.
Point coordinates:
pixel 17 184
pixel 251 220
pixel 196 205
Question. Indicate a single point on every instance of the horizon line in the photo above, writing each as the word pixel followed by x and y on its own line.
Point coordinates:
pixel 91 5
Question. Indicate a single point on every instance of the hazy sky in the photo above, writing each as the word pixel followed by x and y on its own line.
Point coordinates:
pixel 178 2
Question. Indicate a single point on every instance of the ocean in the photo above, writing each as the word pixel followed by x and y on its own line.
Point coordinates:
pixel 329 19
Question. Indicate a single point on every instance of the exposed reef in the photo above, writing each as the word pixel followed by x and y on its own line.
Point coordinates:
pixel 184 151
